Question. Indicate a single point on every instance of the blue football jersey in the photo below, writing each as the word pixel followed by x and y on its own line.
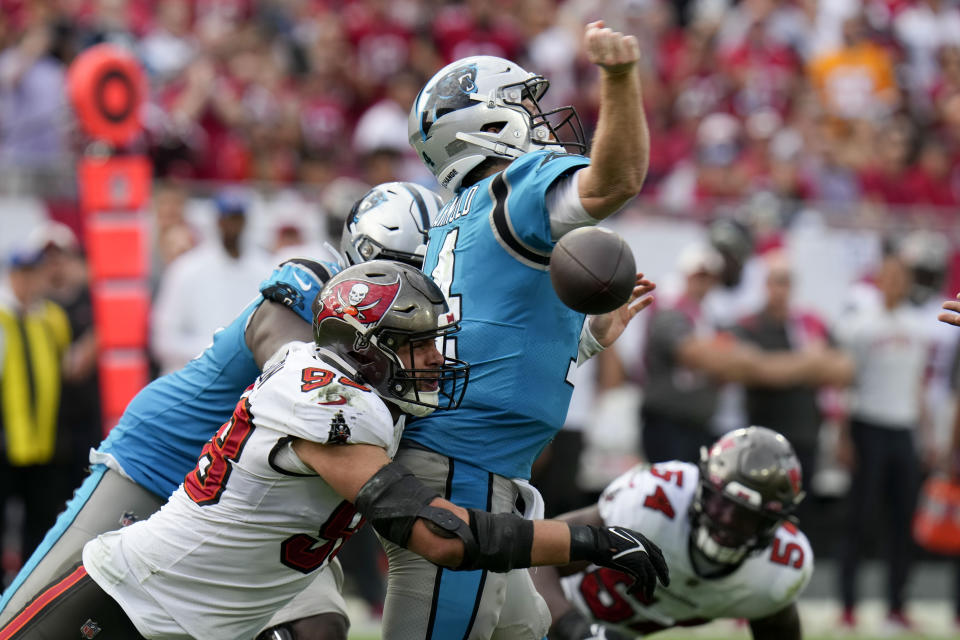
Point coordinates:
pixel 489 251
pixel 161 432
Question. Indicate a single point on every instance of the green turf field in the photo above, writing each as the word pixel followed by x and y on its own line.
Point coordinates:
pixel 932 617
pixel 743 636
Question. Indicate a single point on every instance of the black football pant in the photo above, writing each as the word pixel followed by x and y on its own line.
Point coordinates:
pixel 886 475
pixel 72 607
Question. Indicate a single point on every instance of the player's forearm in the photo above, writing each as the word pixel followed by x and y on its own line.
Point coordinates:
pixel 550 543
pixel 621 146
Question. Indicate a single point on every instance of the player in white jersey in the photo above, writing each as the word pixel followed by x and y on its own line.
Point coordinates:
pixel 725 530
pixel 280 486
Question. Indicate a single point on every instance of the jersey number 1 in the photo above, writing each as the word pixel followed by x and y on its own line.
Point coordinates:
pixel 443 274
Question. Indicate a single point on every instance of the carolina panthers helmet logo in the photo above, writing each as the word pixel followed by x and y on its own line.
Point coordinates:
pixel 367 302
pixel 450 93
pixel 374 198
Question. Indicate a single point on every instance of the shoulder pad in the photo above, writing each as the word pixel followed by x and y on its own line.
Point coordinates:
pixel 308 398
pixel 544 166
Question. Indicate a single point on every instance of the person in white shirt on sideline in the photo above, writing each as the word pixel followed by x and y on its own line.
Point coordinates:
pixel 890 348
pixel 205 288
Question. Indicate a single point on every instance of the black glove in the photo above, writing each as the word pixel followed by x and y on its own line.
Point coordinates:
pixel 624 550
pixel 573 626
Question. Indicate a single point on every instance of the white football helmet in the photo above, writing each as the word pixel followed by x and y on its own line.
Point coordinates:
pixel 485 107
pixel 390 222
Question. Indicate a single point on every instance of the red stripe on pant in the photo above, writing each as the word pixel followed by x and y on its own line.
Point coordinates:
pixel 39 603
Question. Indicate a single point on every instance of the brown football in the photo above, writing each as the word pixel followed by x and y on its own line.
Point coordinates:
pixel 592 270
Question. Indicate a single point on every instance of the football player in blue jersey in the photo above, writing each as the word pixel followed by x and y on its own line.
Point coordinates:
pixel 519 183
pixel 156 442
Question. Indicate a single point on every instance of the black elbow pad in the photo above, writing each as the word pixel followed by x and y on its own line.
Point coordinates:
pixel 392 500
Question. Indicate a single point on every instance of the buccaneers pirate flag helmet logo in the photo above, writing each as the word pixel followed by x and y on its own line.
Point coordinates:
pixel 364 301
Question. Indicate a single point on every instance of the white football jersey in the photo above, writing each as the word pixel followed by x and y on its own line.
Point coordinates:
pixel 251 523
pixel 655 501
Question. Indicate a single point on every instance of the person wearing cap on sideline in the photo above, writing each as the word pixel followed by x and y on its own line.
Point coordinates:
pixel 686 361
pixel 205 288
pixel 34 336
pixel 64 273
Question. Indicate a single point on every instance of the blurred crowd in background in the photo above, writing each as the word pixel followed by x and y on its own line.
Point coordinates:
pixel 847 102
pixel 266 120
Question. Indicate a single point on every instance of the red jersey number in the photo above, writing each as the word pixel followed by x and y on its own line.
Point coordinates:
pixel 658 501
pixel 675 476
pixel 786 553
pixel 206 482
pixel 314 378
pixel 300 551
pixel 599 591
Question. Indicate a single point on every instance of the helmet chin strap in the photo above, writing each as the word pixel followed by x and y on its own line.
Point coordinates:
pixel 501 149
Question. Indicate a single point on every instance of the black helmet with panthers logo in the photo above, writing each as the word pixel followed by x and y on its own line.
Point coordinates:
pixel 750 482
pixel 368 314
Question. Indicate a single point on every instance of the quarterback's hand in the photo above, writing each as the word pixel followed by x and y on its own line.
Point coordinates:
pixel 607 327
pixel 610 49
pixel 624 550
pixel 574 626
pixel 952 313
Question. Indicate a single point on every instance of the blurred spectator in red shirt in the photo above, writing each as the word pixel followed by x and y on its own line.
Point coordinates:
pixel 476 27
pixel 208 118
pixel 381 42
pixel 271 109
pixel 929 178
pixel 885 179
pixel 764 73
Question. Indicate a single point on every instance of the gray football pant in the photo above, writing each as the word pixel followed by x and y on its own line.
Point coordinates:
pixel 425 601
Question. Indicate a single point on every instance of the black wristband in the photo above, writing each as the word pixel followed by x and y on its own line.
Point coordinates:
pixel 504 542
pixel 584 542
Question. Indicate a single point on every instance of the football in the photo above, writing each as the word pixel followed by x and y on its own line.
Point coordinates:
pixel 592 270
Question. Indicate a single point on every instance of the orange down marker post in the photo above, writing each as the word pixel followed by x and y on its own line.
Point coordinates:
pixel 106 89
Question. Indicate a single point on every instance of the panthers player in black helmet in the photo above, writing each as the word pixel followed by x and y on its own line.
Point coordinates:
pixel 727 529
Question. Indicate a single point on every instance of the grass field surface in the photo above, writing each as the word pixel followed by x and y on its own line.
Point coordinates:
pixel 933 619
